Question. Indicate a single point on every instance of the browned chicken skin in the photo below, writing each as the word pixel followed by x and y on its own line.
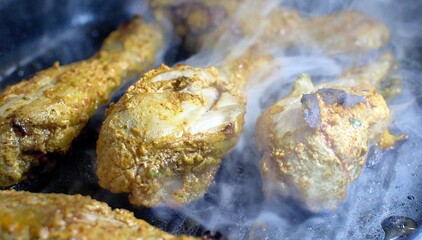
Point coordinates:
pixel 164 139
pixel 27 215
pixel 315 139
pixel 199 21
pixel 44 114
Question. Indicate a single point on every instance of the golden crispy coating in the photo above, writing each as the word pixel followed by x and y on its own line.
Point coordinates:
pixel 44 114
pixel 27 215
pixel 315 141
pixel 199 21
pixel 164 139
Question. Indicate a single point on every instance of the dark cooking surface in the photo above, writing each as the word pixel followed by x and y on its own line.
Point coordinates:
pixel 34 34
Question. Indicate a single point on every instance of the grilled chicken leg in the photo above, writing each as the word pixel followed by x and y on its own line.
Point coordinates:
pixel 44 114
pixel 315 139
pixel 164 139
pixel 199 21
pixel 27 215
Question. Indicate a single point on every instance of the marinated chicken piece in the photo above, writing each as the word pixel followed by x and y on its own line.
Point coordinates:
pixel 163 141
pixel 194 19
pixel 27 215
pixel 315 139
pixel 44 114
pixel 345 32
pixel 199 21
pixel 382 74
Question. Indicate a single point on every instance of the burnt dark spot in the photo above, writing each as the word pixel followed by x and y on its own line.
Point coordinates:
pixel 19 127
pixel 312 111
pixel 181 83
pixel 39 174
pixel 35 157
pixel 128 26
pixel 333 96
pixel 229 130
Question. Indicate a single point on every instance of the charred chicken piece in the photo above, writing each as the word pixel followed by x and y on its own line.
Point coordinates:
pixel 44 114
pixel 315 139
pixel 27 215
pixel 164 139
pixel 199 21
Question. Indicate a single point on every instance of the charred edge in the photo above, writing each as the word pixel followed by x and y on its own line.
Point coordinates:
pixel 128 26
pixel 19 127
pixel 311 111
pixel 39 158
pixel 181 83
pixel 333 96
pixel 229 130
pixel 39 173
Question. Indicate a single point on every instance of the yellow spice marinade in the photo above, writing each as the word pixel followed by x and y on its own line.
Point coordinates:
pixel 44 114
pixel 199 21
pixel 26 215
pixel 314 140
pixel 163 141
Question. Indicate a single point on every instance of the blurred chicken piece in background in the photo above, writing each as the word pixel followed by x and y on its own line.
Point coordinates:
pixel 199 23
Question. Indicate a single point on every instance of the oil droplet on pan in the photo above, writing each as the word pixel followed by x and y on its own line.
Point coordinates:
pixel 396 227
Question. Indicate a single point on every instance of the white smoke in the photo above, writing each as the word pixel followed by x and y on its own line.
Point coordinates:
pixel 389 184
